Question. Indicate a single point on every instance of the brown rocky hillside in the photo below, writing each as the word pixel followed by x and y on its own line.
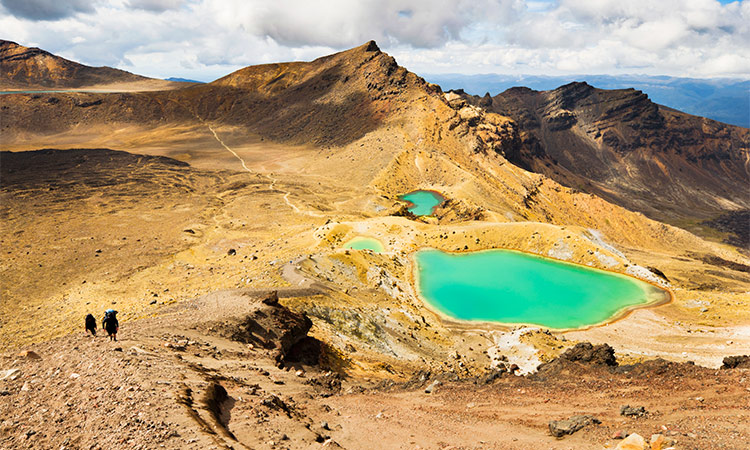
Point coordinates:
pixel 621 146
pixel 330 101
pixel 615 144
pixel 33 68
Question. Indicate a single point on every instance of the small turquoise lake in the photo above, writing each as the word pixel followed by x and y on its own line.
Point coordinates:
pixel 511 287
pixel 365 243
pixel 423 203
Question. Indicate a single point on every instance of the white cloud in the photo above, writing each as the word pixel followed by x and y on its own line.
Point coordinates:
pixel 654 35
pixel 342 23
pixel 205 39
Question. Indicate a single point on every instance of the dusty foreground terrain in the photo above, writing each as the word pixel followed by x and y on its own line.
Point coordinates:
pixel 206 375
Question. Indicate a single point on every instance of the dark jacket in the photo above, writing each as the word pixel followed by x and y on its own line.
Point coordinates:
pixel 90 322
pixel 110 324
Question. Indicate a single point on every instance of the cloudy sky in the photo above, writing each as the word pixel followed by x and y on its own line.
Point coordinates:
pixel 206 39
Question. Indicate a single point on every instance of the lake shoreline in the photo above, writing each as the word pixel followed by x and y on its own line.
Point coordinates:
pixel 667 296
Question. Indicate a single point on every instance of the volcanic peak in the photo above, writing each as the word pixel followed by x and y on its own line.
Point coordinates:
pixel 622 146
pixel 271 79
pixel 33 67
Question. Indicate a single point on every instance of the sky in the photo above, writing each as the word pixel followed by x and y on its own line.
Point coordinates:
pixel 206 39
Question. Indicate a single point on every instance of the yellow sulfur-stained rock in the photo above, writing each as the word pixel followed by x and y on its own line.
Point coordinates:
pixel 633 442
pixel 29 354
pixel 657 441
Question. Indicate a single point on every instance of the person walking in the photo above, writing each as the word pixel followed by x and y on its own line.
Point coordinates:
pixel 110 324
pixel 90 324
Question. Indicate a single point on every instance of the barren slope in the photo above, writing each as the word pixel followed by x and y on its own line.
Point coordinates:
pixel 619 145
pixel 190 379
pixel 330 101
pixel 24 68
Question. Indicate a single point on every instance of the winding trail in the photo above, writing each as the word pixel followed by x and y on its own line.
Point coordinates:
pixel 273 180
pixel 242 161
pixel 294 207
pixel 272 186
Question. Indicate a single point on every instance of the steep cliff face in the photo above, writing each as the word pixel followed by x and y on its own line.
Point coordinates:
pixel 492 131
pixel 621 146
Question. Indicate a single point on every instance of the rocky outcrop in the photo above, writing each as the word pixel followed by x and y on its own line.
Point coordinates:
pixel 268 325
pixel 632 411
pixel 586 353
pixel 620 145
pixel 491 132
pixel 736 362
pixel 583 358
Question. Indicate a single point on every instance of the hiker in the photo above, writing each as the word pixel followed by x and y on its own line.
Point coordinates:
pixel 91 324
pixel 107 313
pixel 110 324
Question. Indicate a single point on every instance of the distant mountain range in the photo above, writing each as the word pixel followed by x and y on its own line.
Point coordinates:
pixel 725 100
pixel 183 80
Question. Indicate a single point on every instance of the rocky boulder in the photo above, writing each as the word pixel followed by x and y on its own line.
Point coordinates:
pixel 632 411
pixel 736 362
pixel 584 352
pixel 559 428
pixel 583 358
pixel 29 354
pixel 11 374
pixel 633 442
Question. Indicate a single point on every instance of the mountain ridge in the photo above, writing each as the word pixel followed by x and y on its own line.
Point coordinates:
pixel 33 68
pixel 721 99
pixel 613 143
pixel 620 145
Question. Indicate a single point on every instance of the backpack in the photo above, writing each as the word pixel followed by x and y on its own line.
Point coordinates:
pixel 109 315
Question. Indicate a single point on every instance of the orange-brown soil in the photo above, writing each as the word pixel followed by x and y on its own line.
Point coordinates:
pixel 155 388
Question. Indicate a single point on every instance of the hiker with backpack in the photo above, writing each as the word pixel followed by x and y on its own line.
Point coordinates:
pixel 110 324
pixel 91 324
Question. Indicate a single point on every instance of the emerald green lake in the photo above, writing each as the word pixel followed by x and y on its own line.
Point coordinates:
pixel 365 243
pixel 516 288
pixel 423 203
